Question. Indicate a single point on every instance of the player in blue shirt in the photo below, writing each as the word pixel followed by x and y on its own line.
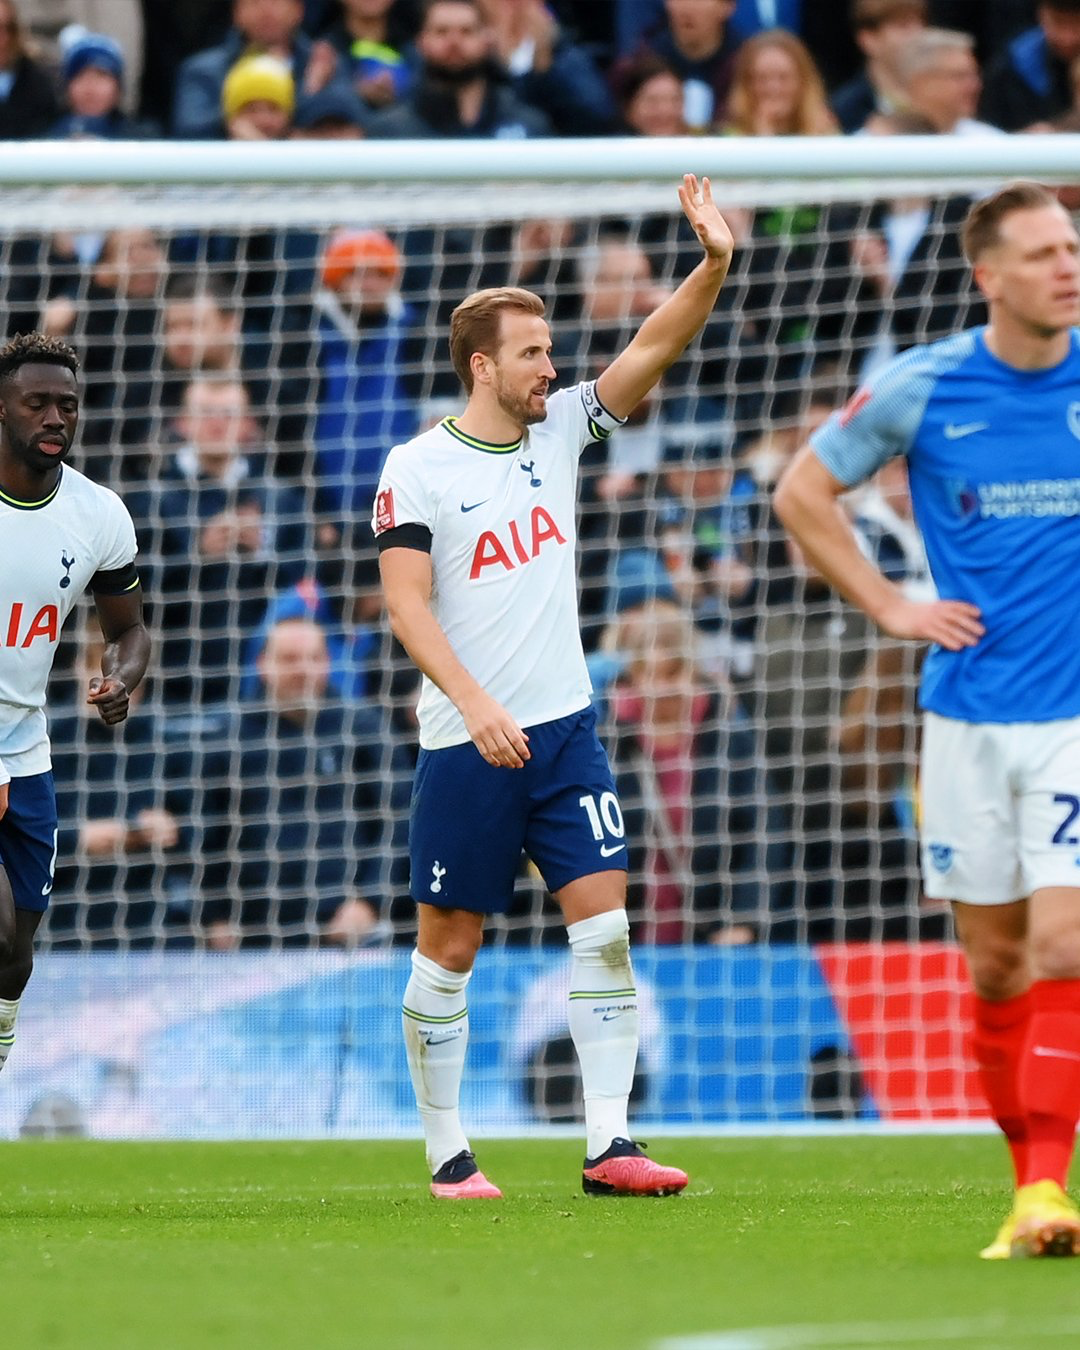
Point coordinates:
pixel 989 421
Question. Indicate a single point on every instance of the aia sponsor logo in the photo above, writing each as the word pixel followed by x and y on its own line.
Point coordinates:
pixel 384 510
pixel 854 405
pixel 21 630
pixel 515 545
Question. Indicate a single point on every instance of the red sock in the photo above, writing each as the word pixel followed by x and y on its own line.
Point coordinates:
pixel 1001 1031
pixel 1049 1079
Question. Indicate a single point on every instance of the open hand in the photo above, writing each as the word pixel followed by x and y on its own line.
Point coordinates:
pixel 703 214
pixel 952 624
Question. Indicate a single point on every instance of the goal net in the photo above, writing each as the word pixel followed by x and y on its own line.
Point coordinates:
pixel 230 923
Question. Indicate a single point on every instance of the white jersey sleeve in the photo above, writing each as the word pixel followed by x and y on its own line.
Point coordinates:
pixel 588 419
pixel 119 545
pixel 404 494
pixel 5 777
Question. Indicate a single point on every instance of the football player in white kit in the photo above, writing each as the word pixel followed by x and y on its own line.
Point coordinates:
pixel 475 522
pixel 60 535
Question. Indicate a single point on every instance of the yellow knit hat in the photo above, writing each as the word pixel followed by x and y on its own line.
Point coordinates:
pixel 255 78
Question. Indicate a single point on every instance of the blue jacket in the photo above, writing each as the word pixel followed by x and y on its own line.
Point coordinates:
pixel 363 407
pixel 1026 83
pixel 197 114
pixel 308 814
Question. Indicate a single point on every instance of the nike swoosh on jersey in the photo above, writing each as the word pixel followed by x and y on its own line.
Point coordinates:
pixel 606 852
pixel 956 433
pixel 466 509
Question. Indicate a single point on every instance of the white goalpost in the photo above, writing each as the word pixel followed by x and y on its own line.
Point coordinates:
pixel 257 324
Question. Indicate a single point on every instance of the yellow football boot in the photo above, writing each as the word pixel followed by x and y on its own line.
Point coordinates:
pixel 1045 1222
pixel 1001 1247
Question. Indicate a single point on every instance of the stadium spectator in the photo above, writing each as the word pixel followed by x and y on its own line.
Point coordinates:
pixel 267 277
pixel 459 89
pixel 260 27
pixel 311 803
pixel 701 832
pixel 116 318
pixel 909 250
pixel 1029 82
pixel 363 345
pixel 650 96
pixel 703 526
pixel 776 90
pixel 696 39
pixel 219 535
pixel 547 70
pixel 882 27
pixel 201 334
pixel 371 39
pixel 618 290
pixel 122 800
pixel 328 115
pixel 801 301
pixel 940 81
pixel 92 72
pixel 28 102
pixel 258 99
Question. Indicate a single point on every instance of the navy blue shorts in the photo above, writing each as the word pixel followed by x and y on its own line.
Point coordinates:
pixel 28 840
pixel 471 820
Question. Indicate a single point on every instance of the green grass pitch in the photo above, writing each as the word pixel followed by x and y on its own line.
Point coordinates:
pixel 781 1242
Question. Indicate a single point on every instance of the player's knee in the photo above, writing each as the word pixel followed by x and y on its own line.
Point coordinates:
pixel 16 966
pixel 999 968
pixel 1055 955
pixel 454 951
pixel 602 939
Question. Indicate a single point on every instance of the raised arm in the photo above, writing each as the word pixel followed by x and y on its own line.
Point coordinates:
pixel 807 502
pixel 406 579
pixel 665 334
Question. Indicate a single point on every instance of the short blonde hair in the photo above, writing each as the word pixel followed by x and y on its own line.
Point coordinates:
pixel 982 228
pixel 474 325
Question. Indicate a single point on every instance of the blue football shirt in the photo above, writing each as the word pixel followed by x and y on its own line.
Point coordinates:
pixel 994 459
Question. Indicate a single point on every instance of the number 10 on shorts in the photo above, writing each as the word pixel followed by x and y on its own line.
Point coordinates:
pixel 607 815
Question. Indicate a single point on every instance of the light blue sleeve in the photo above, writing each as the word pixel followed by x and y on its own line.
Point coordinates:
pixel 882 419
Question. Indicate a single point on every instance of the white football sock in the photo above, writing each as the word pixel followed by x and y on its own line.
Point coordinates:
pixel 9 1010
pixel 603 1023
pixel 435 1020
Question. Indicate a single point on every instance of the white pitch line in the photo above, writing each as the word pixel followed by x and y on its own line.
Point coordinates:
pixel 873 1335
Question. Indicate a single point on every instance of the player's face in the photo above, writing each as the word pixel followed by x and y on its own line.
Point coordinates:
pixel 1033 274
pixel 39 411
pixel 522 369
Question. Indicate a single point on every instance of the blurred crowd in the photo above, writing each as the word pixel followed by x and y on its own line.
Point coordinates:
pixel 242 386
pixel 269 69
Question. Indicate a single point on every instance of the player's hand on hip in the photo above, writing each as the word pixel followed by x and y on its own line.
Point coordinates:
pixel 952 624
pixel 703 214
pixel 5 788
pixel 111 698
pixel 494 732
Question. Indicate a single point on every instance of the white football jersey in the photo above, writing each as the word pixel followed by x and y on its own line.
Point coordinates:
pixel 49 552
pixel 504 576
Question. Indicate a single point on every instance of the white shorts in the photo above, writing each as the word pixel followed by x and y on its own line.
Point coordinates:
pixel 1000 808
